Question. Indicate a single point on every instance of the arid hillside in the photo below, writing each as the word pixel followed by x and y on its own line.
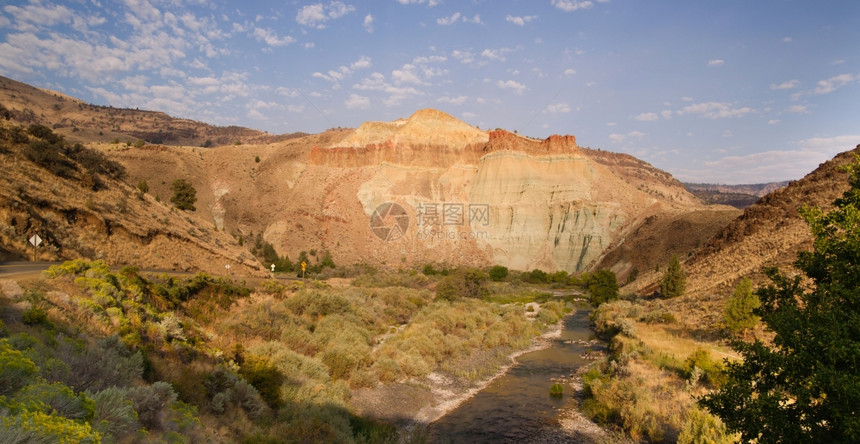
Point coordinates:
pixel 424 189
pixel 769 233
pixel 81 122
pixel 78 202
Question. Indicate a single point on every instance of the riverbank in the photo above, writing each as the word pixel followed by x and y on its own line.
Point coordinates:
pixel 424 400
pixel 448 394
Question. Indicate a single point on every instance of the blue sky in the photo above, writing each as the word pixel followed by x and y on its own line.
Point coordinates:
pixel 711 91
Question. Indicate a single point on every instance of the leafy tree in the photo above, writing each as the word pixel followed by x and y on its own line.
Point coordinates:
pixel 738 314
pixel 805 386
pixel 674 279
pixel 498 273
pixel 602 287
pixel 184 195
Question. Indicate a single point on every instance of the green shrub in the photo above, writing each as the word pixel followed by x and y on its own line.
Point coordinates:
pixel 152 403
pixel 16 370
pixel 713 370
pixel 556 390
pixel 34 315
pixel 498 273
pixel 113 413
pixel 703 428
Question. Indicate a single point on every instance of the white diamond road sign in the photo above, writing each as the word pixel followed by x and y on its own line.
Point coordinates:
pixel 35 240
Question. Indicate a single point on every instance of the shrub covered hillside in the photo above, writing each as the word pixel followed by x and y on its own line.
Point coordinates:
pixel 93 355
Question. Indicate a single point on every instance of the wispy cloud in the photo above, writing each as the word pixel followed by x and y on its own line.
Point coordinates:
pixel 520 21
pixel 516 87
pixel 715 110
pixel 430 3
pixel 271 38
pixel 368 23
pixel 572 5
pixel 356 101
pixel 646 117
pixel 337 75
pixel 788 84
pixel 558 108
pixel 716 62
pixel 798 109
pixel 458 17
pixel 833 83
pixel 318 14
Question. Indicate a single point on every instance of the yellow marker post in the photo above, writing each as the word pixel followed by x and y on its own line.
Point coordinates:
pixel 304 266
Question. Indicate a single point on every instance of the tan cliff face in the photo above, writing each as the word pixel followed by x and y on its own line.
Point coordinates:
pixel 485 198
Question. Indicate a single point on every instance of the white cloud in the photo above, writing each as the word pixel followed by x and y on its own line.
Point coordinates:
pixel 430 3
pixel 716 62
pixel 517 87
pixel 445 21
pixel 572 5
pixel 458 17
pixel 833 83
pixel 356 101
pixel 496 54
pixel 646 117
pixel 520 21
pixel 396 94
pixel 786 39
pixel 271 38
pixel 33 16
pixel 798 109
pixel 773 121
pixel 361 63
pixel 459 100
pixel 558 108
pixel 569 71
pixel 667 114
pixel 618 138
pixel 715 110
pixel 336 75
pixel 368 23
pixel 317 14
pixel 788 84
pixel 463 56
pixel 405 75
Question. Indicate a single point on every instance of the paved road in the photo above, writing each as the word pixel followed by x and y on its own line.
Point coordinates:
pixel 10 269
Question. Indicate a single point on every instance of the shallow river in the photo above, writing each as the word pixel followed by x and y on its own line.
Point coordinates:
pixel 517 406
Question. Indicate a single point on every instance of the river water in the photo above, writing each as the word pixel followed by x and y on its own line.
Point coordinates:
pixel 517 406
